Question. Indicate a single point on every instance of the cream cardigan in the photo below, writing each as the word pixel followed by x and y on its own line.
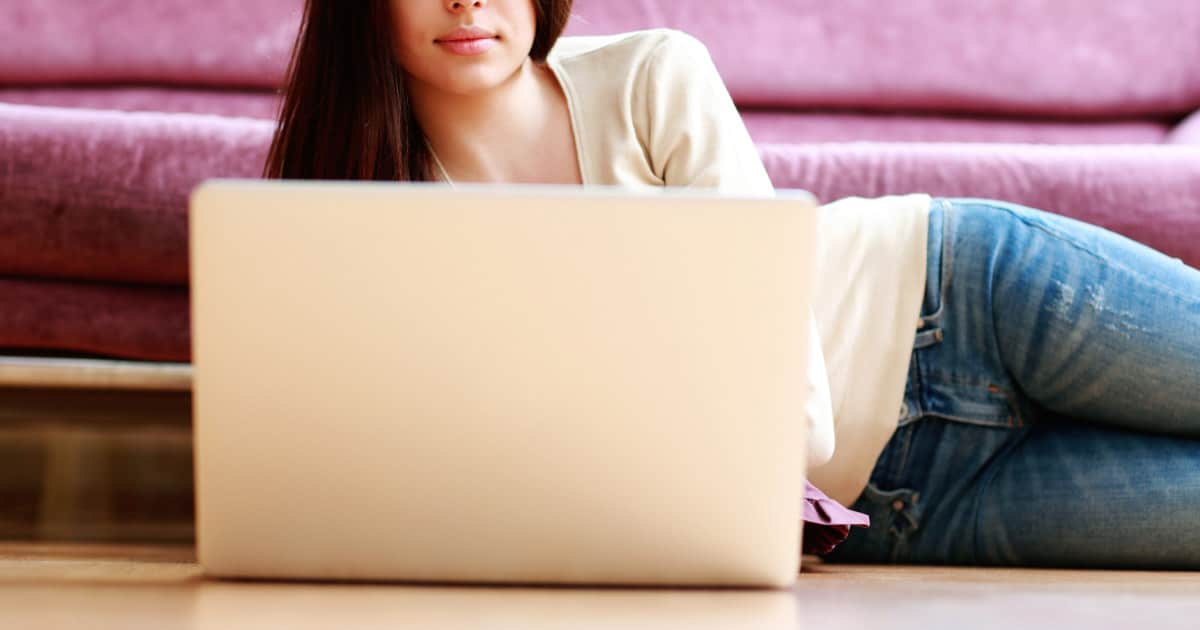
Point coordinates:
pixel 649 109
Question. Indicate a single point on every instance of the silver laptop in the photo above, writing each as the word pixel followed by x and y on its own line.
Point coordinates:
pixel 516 384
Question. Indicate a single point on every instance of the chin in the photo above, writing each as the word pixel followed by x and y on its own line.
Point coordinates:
pixel 464 81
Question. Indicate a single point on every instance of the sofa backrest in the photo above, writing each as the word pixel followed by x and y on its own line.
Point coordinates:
pixel 1025 57
pixel 1099 58
pixel 225 43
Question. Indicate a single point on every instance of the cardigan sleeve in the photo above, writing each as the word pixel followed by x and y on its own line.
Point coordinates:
pixel 694 137
pixel 693 133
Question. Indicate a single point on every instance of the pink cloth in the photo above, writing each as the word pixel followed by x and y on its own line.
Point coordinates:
pixel 98 199
pixel 774 126
pixel 209 42
pixel 827 523
pixel 1049 57
pixel 1031 57
pixel 103 195
pixel 145 323
pixel 1148 193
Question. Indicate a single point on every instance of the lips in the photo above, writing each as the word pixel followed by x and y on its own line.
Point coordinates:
pixel 467 40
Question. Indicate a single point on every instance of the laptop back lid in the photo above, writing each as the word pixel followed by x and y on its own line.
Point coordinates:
pixel 499 384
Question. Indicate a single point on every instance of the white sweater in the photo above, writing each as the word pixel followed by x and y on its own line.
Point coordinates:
pixel 649 109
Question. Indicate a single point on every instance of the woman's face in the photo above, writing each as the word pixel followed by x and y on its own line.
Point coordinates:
pixel 463 46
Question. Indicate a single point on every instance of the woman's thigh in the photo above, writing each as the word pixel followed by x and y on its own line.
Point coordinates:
pixel 983 467
pixel 1082 495
pixel 1086 323
pixel 1057 494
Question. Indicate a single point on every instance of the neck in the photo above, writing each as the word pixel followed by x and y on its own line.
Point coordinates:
pixel 474 134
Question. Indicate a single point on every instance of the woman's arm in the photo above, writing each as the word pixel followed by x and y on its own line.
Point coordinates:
pixel 693 132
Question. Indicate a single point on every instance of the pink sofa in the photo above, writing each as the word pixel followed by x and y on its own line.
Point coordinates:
pixel 112 110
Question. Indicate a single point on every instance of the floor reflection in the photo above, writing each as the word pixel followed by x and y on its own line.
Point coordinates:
pixel 224 605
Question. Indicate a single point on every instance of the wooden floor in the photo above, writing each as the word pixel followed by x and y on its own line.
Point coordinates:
pixel 160 587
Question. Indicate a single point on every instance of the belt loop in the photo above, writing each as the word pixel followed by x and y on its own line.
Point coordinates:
pixel 928 337
pixel 935 264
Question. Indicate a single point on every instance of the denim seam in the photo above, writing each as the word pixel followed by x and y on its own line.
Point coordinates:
pixel 944 270
pixel 947 269
pixel 952 380
pixel 973 421
pixel 947 273
pixel 1015 416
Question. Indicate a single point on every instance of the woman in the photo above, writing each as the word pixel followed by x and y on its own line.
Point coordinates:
pixel 1004 385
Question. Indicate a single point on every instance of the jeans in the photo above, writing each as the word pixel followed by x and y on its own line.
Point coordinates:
pixel 1052 411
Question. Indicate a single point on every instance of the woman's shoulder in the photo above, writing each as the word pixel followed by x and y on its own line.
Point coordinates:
pixel 660 46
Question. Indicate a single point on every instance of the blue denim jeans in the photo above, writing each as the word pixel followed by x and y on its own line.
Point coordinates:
pixel 1052 411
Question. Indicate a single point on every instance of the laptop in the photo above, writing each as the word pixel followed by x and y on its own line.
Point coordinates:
pixel 499 384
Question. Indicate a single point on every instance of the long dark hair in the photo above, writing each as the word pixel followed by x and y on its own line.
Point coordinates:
pixel 345 114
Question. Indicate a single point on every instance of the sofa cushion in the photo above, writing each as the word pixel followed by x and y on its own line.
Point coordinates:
pixel 146 323
pixel 102 195
pixel 214 42
pixel 1047 57
pixel 1148 193
pixel 1051 57
pixel 774 126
